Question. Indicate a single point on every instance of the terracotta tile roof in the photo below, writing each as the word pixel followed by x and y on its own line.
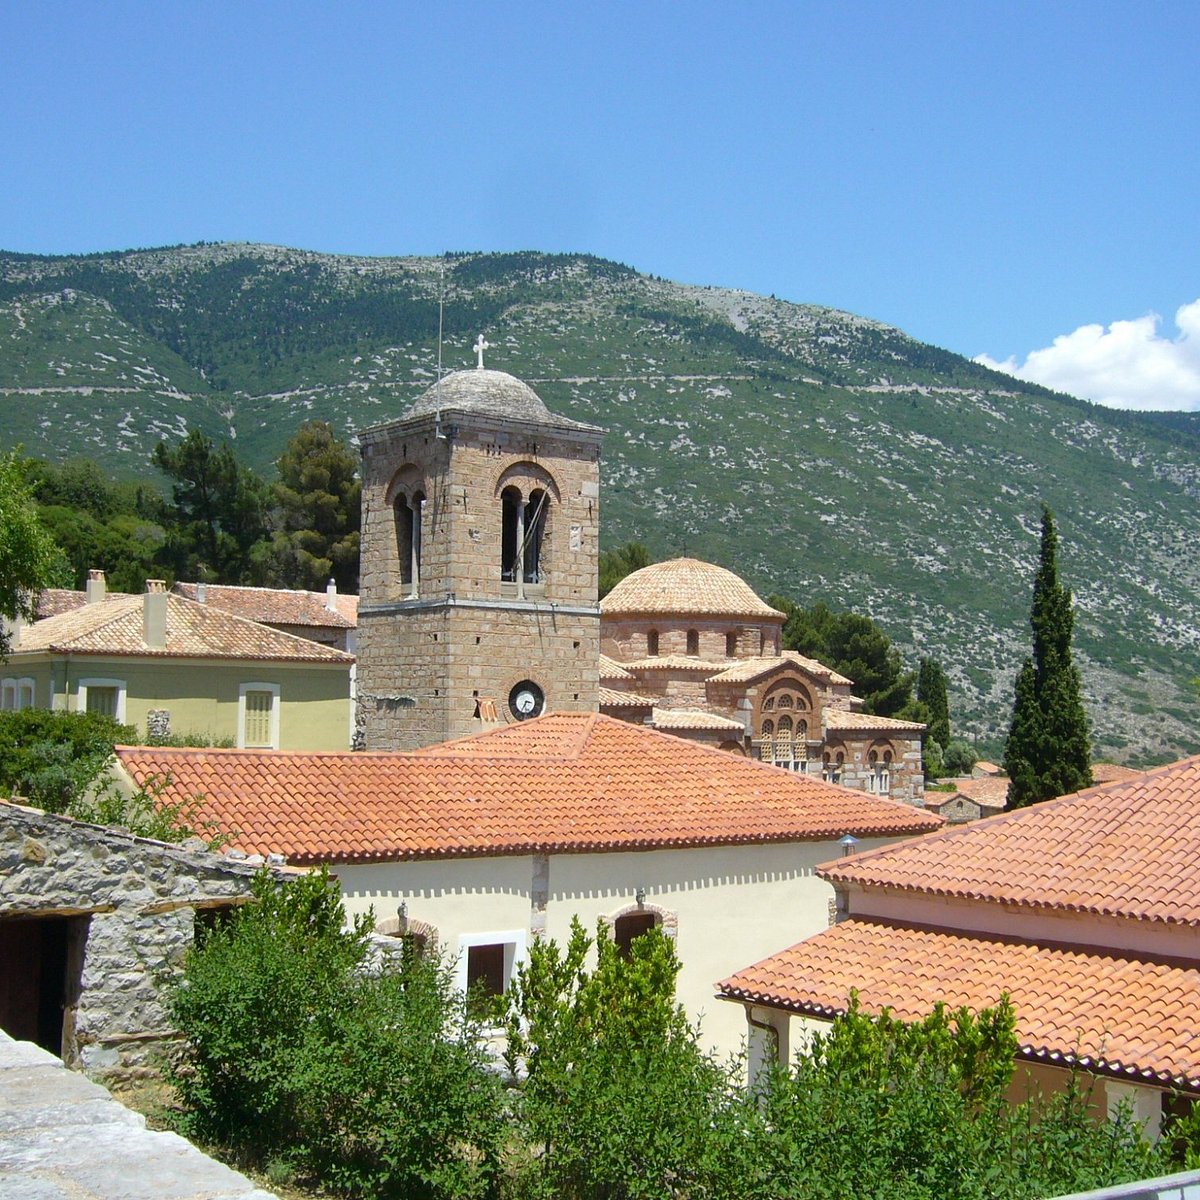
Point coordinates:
pixel 1111 1012
pixel 277 606
pixel 844 720
pixel 115 627
pixel 988 768
pixel 674 662
pixel 686 587
pixel 989 791
pixel 746 670
pixel 1127 849
pixel 1103 772
pixel 566 782
pixel 611 669
pixel 611 698
pixel 54 601
pixel 694 718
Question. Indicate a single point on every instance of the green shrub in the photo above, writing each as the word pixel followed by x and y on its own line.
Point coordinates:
pixel 51 759
pixel 295 1055
pixel 619 1101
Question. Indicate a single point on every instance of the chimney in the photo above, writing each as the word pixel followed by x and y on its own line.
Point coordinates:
pixel 96 587
pixel 202 592
pixel 331 596
pixel 154 614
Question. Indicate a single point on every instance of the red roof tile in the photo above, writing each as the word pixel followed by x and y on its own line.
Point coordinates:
pixel 277 606
pixel 567 782
pixel 1110 1012
pixel 1126 849
pixel 116 627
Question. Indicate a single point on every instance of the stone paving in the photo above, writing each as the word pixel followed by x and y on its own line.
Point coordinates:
pixel 63 1137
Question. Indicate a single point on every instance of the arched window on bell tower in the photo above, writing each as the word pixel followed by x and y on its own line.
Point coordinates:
pixel 408 514
pixel 512 533
pixel 535 531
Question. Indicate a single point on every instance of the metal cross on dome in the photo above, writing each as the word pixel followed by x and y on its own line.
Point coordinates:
pixel 481 344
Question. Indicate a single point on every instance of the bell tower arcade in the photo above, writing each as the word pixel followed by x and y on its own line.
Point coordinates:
pixel 478 605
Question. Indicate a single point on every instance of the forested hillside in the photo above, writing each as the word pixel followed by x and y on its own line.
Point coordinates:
pixel 822 455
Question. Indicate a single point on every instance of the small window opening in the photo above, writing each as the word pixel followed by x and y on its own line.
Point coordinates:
pixel 693 643
pixel 632 925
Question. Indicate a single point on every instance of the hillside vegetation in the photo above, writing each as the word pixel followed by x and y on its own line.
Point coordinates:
pixel 822 455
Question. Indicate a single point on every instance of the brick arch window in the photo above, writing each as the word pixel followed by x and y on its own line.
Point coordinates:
pixel 731 640
pixel 786 700
pixel 832 766
pixel 631 922
pixel 693 643
pixel 766 746
pixel 768 704
pixel 879 768
pixel 652 643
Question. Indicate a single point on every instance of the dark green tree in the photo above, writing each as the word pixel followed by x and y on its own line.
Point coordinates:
pixel 98 522
pixel 623 560
pixel 931 691
pixel 317 502
pixel 28 555
pixel 855 646
pixel 1048 752
pixel 218 514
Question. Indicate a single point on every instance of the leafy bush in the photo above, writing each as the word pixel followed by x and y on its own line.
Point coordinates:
pixel 619 1100
pixel 51 759
pixel 294 1053
pixel 877 1107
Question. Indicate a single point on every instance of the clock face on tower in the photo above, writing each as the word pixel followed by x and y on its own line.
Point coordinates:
pixel 526 700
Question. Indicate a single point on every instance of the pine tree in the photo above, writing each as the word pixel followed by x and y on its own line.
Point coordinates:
pixel 1048 752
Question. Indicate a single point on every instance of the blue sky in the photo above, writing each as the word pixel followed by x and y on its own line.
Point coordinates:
pixel 989 177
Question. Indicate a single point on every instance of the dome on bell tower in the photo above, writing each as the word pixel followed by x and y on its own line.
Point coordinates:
pixel 479 390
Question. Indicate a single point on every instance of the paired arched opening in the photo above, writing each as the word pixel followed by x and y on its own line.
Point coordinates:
pixel 833 765
pixel 527 495
pixel 406 495
pixel 879 770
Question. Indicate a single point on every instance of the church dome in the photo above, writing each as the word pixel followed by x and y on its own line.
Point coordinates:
pixel 478 390
pixel 685 587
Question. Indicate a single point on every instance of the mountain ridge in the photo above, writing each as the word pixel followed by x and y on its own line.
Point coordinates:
pixel 818 453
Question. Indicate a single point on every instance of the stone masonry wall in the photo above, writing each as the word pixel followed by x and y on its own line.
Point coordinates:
pixel 428 653
pixel 139 899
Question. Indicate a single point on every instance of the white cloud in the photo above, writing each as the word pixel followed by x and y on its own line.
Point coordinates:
pixel 1127 365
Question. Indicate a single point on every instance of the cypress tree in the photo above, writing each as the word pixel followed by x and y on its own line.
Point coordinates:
pixel 931 691
pixel 1048 752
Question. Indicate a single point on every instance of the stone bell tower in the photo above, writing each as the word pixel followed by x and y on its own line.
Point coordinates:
pixel 480 521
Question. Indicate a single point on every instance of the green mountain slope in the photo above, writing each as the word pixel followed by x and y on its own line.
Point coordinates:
pixel 817 453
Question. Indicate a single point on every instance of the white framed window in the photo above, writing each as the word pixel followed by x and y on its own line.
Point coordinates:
pixel 258 716
pixel 486 961
pixel 105 696
pixel 26 693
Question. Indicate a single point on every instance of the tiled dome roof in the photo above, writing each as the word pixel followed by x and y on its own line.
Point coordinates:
pixel 685 587
pixel 483 391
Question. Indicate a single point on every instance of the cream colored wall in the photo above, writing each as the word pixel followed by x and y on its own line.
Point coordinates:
pixel 1068 928
pixel 733 905
pixel 202 695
